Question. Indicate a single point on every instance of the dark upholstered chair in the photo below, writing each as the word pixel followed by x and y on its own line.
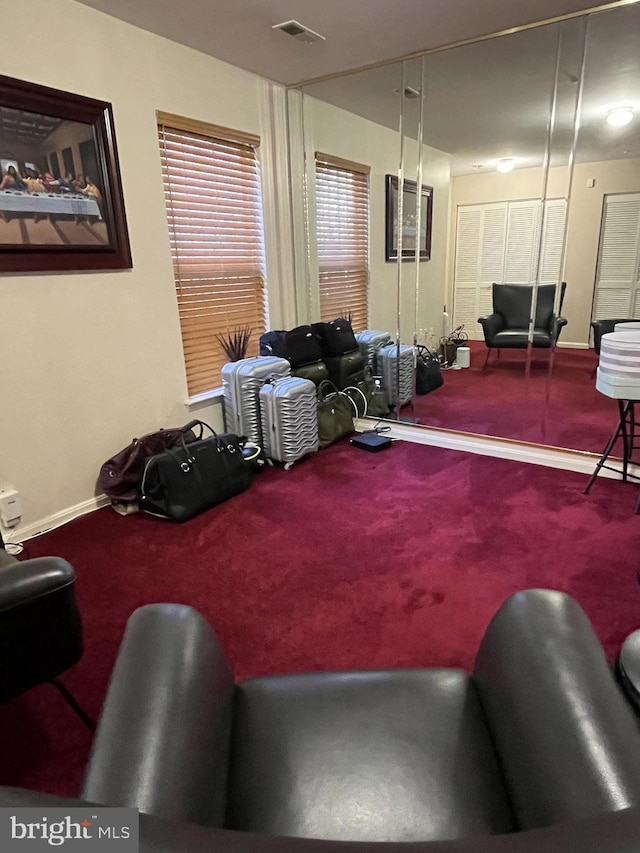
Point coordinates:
pixel 605 327
pixel 40 626
pixel 537 749
pixel 628 669
pixel 508 326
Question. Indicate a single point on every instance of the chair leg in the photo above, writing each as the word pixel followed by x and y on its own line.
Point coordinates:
pixel 73 704
pixel 486 361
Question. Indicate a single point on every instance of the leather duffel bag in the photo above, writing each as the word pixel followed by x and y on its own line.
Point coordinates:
pixel 185 480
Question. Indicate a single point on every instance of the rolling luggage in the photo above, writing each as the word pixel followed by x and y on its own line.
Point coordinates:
pixel 316 372
pixel 289 419
pixel 387 359
pixel 346 369
pixel 369 342
pixel 241 384
pixel 336 337
pixel 299 346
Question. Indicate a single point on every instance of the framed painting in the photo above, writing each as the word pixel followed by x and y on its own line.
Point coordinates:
pixel 409 220
pixel 61 204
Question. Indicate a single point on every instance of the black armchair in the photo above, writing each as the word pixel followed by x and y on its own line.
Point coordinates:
pixel 535 750
pixel 508 326
pixel 605 327
pixel 628 669
pixel 40 625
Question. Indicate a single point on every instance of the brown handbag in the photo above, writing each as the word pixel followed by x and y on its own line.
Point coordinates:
pixel 121 476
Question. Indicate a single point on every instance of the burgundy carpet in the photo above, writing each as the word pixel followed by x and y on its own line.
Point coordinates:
pixel 564 412
pixel 349 560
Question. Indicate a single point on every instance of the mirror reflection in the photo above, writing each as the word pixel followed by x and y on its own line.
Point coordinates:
pixel 535 183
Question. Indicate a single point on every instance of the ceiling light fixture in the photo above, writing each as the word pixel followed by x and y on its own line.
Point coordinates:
pixel 620 116
pixel 505 165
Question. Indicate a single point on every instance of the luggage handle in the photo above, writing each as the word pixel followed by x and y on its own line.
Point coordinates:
pixel 196 423
pixel 187 464
pixel 222 446
pixel 323 394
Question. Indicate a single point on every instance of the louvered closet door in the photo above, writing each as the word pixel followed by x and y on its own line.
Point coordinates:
pixel 522 242
pixel 552 242
pixel 480 248
pixel 617 292
pixel 500 242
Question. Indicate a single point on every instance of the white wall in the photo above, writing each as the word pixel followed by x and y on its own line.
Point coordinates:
pixel 92 359
pixel 583 222
pixel 583 230
pixel 343 134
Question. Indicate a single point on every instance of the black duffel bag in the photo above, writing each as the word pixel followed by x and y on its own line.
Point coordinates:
pixel 428 371
pixel 336 337
pixel 299 346
pixel 185 480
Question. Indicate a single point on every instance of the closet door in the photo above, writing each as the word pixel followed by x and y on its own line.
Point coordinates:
pixel 522 242
pixel 479 261
pixel 552 241
pixel 617 291
pixel 500 242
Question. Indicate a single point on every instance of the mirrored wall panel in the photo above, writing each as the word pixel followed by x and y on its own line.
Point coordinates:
pixel 490 199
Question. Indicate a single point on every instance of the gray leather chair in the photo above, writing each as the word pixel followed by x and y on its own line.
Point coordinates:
pixel 535 750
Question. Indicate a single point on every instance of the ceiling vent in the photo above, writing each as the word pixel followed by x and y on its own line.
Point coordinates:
pixel 299 32
pixel 409 92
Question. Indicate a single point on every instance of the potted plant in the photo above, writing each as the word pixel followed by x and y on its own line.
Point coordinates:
pixel 235 343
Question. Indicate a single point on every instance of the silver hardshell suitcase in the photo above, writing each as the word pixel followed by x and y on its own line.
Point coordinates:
pixel 386 361
pixel 369 342
pixel 289 413
pixel 241 384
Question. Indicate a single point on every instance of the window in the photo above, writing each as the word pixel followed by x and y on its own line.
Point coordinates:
pixel 342 222
pixel 212 195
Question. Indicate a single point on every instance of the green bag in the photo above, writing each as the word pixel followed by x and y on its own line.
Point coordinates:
pixel 335 414
pixel 377 403
pixel 367 400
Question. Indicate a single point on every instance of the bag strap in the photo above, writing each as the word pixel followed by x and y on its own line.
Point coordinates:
pixel 326 389
pixel 196 423
pixel 352 401
pixel 184 430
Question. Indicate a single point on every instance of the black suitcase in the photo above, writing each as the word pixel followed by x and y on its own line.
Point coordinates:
pixel 336 337
pixel 346 369
pixel 299 346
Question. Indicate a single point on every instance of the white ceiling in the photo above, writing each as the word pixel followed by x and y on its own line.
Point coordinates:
pixel 483 101
pixel 357 32
pixel 492 100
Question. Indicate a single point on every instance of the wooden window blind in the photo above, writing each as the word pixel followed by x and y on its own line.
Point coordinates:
pixel 342 222
pixel 212 195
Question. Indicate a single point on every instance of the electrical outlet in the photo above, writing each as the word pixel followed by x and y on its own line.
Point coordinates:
pixel 10 507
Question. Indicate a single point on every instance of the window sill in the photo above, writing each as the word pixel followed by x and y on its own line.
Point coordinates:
pixel 215 395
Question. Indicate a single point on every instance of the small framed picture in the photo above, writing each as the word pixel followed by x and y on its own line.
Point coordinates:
pixel 409 220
